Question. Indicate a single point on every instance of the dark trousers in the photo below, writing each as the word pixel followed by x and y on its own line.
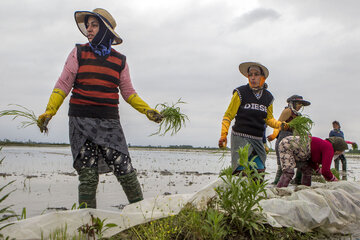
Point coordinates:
pixel 86 164
pixel 343 162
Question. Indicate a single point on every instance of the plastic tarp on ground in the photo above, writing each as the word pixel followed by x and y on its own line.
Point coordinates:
pixel 332 207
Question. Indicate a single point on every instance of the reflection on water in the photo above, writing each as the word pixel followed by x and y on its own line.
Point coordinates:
pixel 45 178
pixel 50 160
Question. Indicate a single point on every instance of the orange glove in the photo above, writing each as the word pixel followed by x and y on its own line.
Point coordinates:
pixel 271 137
pixel 267 149
pixel 225 124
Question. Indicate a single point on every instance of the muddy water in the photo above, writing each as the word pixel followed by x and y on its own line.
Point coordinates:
pixel 45 180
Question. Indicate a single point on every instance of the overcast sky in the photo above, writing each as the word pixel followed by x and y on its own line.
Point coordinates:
pixel 191 50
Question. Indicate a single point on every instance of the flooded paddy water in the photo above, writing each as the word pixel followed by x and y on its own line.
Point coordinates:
pixel 45 180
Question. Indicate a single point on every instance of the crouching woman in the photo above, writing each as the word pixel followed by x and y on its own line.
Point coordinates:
pixel 307 157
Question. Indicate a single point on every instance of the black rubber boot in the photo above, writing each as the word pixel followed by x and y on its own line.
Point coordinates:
pixel 343 162
pixel 131 187
pixel 298 176
pixel 337 163
pixel 88 178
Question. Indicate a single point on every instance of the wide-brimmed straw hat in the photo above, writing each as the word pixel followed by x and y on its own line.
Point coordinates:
pixel 102 14
pixel 244 68
pixel 299 99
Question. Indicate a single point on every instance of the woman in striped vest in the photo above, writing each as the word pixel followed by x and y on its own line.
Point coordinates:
pixel 94 72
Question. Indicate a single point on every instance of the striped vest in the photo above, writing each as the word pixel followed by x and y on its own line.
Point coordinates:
pixel 95 92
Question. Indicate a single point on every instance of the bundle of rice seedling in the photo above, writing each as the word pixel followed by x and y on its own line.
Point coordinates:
pixel 335 173
pixel 354 146
pixel 173 119
pixel 301 127
pixel 26 113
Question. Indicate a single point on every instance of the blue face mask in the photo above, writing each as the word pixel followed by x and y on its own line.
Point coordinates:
pixel 101 44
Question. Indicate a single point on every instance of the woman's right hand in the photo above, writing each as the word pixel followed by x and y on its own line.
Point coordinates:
pixel 222 142
pixel 271 137
pixel 43 121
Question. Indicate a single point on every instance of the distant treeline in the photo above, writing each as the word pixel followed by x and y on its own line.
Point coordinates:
pixel 7 142
pixel 173 147
pixel 351 151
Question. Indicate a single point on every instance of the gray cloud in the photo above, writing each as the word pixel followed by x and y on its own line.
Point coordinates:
pixel 191 50
pixel 255 16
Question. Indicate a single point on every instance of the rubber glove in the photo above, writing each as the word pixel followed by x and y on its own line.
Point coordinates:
pixel 222 142
pixel 56 99
pixel 225 124
pixel 271 137
pixel 284 126
pixel 152 114
pixel 267 149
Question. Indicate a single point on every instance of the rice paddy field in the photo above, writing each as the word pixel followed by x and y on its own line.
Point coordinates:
pixel 45 180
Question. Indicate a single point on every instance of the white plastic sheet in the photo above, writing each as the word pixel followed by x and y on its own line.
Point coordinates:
pixel 333 207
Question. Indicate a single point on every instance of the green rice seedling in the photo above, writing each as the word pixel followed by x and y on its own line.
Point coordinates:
pixel 173 119
pixel 26 113
pixel 354 146
pixel 214 225
pixel 240 196
pixel 62 234
pixel 301 127
pixel 5 212
pixel 335 173
pixel 96 229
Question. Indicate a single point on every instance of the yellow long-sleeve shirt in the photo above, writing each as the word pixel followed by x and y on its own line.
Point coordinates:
pixel 232 110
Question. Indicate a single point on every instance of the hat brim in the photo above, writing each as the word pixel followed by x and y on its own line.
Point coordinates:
pixel 243 68
pixel 80 21
pixel 303 102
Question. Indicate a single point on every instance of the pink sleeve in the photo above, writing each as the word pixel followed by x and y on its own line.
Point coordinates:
pixel 67 77
pixel 126 87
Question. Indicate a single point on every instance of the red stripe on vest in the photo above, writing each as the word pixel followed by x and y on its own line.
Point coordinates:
pixel 87 102
pixel 96 94
pixel 98 69
pixel 91 81
pixel 112 59
pixel 86 55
